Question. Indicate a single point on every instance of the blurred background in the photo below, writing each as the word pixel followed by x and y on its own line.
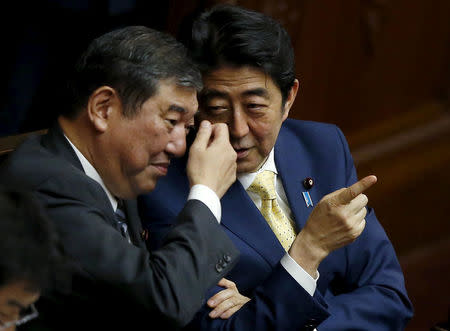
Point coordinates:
pixel 379 69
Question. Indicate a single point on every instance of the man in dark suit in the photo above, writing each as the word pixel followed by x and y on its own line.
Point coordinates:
pixel 317 257
pixel 133 97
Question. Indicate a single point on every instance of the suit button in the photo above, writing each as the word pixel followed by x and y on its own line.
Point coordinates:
pixel 219 268
pixel 227 257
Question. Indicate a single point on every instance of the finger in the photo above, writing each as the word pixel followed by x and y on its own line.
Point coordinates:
pixel 358 203
pixel 360 228
pixel 203 135
pixel 359 216
pixel 229 312
pixel 348 194
pixel 235 308
pixel 219 297
pixel 226 283
pixel 220 132
pixel 222 307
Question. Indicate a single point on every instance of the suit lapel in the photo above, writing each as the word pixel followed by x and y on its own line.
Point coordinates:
pixel 242 217
pixel 244 220
pixel 293 168
pixel 56 142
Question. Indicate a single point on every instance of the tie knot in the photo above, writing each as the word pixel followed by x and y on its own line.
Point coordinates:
pixel 264 185
pixel 120 211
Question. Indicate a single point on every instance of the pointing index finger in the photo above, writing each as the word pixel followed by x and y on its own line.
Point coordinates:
pixel 351 192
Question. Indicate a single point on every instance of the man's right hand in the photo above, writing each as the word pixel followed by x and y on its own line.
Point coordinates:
pixel 337 220
pixel 212 159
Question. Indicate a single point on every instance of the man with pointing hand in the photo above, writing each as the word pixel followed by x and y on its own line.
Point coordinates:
pixel 313 254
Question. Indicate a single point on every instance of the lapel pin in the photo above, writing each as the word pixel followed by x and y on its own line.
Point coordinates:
pixel 308 182
pixel 308 199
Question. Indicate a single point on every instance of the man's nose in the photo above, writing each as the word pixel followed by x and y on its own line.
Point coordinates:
pixel 177 142
pixel 238 125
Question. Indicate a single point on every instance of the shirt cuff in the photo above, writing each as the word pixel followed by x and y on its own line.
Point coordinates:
pixel 299 274
pixel 208 197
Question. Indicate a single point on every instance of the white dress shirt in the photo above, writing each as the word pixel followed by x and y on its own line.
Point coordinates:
pixel 296 271
pixel 198 191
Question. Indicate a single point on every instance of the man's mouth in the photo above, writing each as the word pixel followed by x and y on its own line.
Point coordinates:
pixel 242 152
pixel 162 167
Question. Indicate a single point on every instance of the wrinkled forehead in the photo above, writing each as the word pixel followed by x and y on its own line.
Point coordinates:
pixel 176 97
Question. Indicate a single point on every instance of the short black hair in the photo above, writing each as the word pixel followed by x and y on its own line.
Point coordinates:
pixel 232 35
pixel 132 60
pixel 29 246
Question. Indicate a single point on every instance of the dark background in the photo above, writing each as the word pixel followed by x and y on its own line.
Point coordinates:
pixel 379 69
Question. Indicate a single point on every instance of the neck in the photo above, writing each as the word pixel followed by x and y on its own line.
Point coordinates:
pixel 79 133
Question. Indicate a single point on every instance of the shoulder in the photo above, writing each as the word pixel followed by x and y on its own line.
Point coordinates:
pixel 312 134
pixel 319 149
pixel 310 129
pixel 34 167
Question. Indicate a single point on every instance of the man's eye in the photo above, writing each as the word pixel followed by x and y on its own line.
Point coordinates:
pixel 254 106
pixel 171 122
pixel 216 110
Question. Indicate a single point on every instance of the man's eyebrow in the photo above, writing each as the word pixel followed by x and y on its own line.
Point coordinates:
pixel 177 108
pixel 260 92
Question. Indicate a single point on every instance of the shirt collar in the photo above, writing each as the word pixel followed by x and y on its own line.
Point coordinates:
pixel 91 172
pixel 247 178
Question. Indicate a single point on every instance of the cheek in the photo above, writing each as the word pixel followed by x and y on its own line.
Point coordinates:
pixel 265 133
pixel 261 130
pixel 151 141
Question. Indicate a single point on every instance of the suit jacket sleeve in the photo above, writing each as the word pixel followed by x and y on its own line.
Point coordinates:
pixel 167 284
pixel 372 293
pixel 279 303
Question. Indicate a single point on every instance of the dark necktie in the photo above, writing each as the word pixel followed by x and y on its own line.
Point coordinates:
pixel 121 220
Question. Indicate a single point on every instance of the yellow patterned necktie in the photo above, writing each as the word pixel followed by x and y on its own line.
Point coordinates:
pixel 264 186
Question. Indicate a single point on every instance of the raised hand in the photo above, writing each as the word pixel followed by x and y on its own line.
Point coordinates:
pixel 337 220
pixel 226 302
pixel 212 159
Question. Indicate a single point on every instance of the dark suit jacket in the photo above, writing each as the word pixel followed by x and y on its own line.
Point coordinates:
pixel 362 283
pixel 116 285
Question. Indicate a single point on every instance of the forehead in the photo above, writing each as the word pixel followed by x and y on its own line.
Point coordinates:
pixel 172 97
pixel 239 81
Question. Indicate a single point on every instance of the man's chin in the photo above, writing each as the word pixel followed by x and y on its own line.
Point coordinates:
pixel 148 187
pixel 245 166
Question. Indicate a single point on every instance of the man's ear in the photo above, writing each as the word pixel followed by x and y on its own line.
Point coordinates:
pixel 102 103
pixel 290 99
